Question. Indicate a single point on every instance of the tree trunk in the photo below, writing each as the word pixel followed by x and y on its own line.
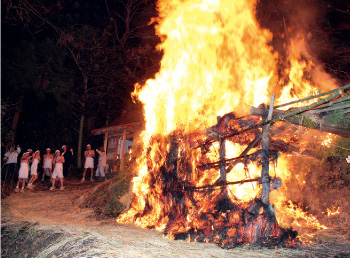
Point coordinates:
pixel 80 141
pixel 81 127
pixel 15 120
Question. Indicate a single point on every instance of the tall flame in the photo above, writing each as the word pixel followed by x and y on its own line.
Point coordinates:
pixel 217 59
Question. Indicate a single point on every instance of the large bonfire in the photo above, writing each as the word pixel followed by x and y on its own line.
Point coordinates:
pixel 217 59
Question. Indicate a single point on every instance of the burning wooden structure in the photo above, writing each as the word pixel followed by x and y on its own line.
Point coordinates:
pixel 213 184
pixel 207 211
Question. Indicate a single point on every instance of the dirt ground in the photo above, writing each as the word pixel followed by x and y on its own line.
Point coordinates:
pixel 43 223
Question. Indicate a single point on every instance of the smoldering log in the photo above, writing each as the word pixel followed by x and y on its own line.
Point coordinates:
pixel 307 119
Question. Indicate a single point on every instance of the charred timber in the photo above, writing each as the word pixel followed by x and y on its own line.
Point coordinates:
pixel 254 143
pixel 275 183
pixel 308 119
pixel 221 183
pixel 256 156
pixel 265 143
pixel 290 114
pixel 222 153
pixel 172 156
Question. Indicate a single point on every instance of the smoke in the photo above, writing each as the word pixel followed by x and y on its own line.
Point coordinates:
pixel 297 28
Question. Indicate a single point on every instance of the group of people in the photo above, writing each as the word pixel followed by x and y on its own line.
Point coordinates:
pixel 54 165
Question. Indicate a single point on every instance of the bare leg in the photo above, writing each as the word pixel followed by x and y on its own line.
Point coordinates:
pixel 92 173
pixel 61 180
pixel 23 183
pixel 85 169
pixel 35 178
pixel 53 184
pixel 50 170
pixel 43 177
pixel 18 182
pixel 31 180
pixel 17 185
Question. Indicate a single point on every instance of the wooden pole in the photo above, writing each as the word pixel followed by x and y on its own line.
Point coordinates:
pixel 227 183
pixel 324 125
pixel 265 177
pixel 316 96
pixel 217 164
pixel 301 110
pixel 222 154
pixel 105 142
pixel 123 150
pixel 344 99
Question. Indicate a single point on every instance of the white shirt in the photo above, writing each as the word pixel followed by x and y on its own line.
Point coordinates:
pixel 102 158
pixel 12 156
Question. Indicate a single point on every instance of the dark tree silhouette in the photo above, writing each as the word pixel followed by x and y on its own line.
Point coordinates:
pixel 110 47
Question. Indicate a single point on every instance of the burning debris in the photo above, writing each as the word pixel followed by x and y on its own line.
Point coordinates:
pixel 190 194
pixel 210 212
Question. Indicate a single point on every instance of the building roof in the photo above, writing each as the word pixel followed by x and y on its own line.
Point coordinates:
pixel 128 119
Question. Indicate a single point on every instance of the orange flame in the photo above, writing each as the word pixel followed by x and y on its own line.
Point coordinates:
pixel 335 212
pixel 216 60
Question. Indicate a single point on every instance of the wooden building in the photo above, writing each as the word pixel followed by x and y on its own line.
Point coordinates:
pixel 121 133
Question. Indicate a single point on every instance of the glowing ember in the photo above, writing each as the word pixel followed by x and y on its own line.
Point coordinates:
pixel 331 213
pixel 328 139
pixel 216 60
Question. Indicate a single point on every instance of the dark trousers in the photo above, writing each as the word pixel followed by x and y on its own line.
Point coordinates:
pixel 9 172
pixel 65 169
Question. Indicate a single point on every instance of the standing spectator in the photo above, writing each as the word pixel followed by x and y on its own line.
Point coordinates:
pixel 34 169
pixel 30 160
pixel 48 157
pixel 71 157
pixel 89 162
pixel 58 161
pixel 102 164
pixel 10 159
pixel 23 172
pixel 127 157
pixel 67 157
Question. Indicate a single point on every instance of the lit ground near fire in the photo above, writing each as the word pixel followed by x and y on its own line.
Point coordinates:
pixel 46 223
